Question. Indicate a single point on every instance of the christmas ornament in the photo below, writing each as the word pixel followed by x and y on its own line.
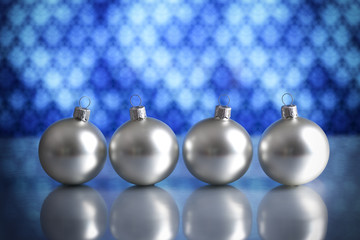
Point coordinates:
pixel 218 150
pixel 73 212
pixel 144 213
pixel 144 150
pixel 217 212
pixel 292 213
pixel 73 150
pixel 293 150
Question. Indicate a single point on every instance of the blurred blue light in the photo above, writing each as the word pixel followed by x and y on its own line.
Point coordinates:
pixel 137 57
pixel 53 35
pixel 149 36
pixel 30 77
pixel 352 57
pixel 17 100
pixel 17 57
pixel 173 79
pixel 318 36
pixel 234 14
pixel 76 78
pixel 341 36
pixel 270 35
pixel 353 14
pixel 6 36
pixel 186 99
pixel 198 35
pixel 137 14
pixel 222 77
pixel 179 56
pixel 63 14
pixel 40 15
pixel 65 57
pixel 330 57
pixel 258 57
pixel 40 57
pixel 42 99
pixel 101 77
pixel 112 100
pixel 330 15
pixel 125 35
pixel 88 57
pixel 16 15
pixel 259 14
pixel 222 36
pixel 161 14
pixel 162 58
pixel 270 79
pixel 246 35
pixel 197 77
pixel 76 36
pixel 52 79
pixel 174 35
pixel 185 13
pixel 65 100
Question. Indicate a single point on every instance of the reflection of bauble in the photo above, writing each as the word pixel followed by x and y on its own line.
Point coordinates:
pixel 144 213
pixel 77 213
pixel 292 213
pixel 217 212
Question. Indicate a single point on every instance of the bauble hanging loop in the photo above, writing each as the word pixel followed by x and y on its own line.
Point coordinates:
pixel 73 150
pixel 293 150
pixel 143 150
pixel 218 150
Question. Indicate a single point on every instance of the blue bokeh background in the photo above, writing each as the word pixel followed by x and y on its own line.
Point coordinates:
pixel 179 56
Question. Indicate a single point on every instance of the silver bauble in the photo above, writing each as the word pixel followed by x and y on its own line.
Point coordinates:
pixel 218 150
pixel 144 150
pixel 73 150
pixel 293 150
pixel 144 212
pixel 73 212
pixel 292 213
pixel 217 212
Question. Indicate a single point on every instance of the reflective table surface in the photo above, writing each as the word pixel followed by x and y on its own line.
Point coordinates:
pixel 33 206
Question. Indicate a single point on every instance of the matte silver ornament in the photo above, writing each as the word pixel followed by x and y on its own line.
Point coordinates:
pixel 217 212
pixel 74 212
pixel 144 150
pixel 292 213
pixel 293 150
pixel 73 150
pixel 144 212
pixel 218 150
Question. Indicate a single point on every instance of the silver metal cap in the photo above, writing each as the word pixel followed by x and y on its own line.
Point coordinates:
pixel 222 112
pixel 137 113
pixel 289 111
pixel 82 114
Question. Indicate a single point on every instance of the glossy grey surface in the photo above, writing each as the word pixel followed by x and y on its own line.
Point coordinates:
pixel 74 212
pixel 72 151
pixel 292 213
pixel 217 151
pixel 144 152
pixel 293 151
pixel 217 212
pixel 144 213
pixel 24 186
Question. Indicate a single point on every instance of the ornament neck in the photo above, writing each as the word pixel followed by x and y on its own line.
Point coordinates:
pixel 137 113
pixel 289 111
pixel 222 112
pixel 81 114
